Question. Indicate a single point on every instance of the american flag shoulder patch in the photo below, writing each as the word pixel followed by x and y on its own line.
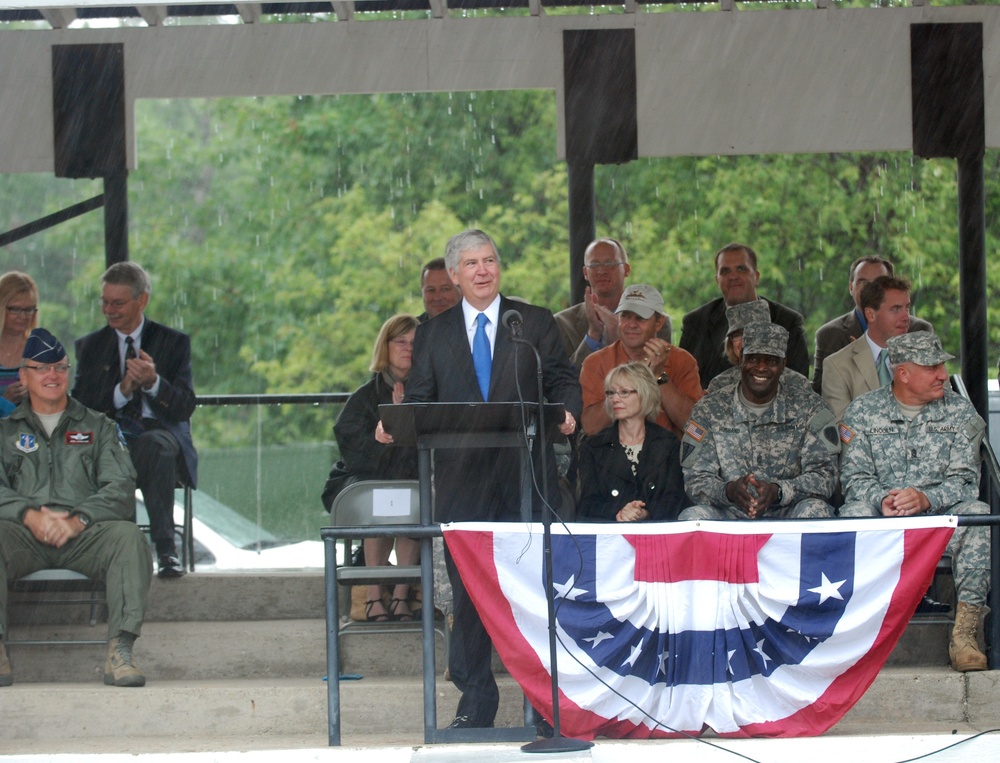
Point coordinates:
pixel 846 433
pixel 694 431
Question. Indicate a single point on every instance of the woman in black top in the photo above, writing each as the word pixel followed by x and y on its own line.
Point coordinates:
pixel 368 459
pixel 631 471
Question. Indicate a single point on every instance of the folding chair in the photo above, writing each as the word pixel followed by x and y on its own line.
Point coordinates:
pixel 368 504
pixel 68 582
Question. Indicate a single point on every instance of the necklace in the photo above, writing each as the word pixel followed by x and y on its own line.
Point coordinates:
pixel 631 441
pixel 11 356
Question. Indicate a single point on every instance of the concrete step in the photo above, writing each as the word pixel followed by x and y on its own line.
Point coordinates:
pixel 199 597
pixel 180 716
pixel 191 651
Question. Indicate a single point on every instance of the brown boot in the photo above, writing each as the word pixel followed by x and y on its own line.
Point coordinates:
pixel 963 651
pixel 6 677
pixel 120 670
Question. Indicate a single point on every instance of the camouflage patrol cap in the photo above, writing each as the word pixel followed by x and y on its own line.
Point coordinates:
pixel 920 347
pixel 641 299
pixel 765 339
pixel 742 315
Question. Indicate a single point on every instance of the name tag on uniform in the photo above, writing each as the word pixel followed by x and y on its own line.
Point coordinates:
pixel 949 428
pixel 79 438
pixel 884 430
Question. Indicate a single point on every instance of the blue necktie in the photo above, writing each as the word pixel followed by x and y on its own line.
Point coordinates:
pixel 481 357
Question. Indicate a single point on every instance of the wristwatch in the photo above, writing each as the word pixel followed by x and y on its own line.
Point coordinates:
pixel 84 520
pixel 662 378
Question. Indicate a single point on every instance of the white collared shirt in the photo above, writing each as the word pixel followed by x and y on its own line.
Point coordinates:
pixel 875 352
pixel 492 313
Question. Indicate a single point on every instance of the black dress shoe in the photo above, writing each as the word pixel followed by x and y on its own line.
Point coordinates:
pixel 928 606
pixel 170 567
pixel 465 722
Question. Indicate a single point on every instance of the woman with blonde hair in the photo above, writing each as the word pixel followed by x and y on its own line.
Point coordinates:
pixel 19 315
pixel 631 471
pixel 367 459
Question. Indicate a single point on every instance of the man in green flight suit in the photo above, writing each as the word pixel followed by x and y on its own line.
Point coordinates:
pixel 67 500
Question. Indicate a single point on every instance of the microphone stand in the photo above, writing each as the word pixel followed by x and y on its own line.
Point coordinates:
pixel 558 743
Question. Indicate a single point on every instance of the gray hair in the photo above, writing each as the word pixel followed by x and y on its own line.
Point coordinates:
pixel 463 242
pixel 128 274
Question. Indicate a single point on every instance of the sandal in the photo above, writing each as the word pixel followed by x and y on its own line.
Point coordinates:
pixel 384 617
pixel 397 616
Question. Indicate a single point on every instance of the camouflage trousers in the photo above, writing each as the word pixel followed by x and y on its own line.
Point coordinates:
pixel 969 548
pixel 807 508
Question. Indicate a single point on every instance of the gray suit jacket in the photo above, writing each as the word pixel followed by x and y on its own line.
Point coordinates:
pixel 850 373
pixel 840 332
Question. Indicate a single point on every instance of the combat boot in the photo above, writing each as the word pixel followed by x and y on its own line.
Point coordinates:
pixel 120 670
pixel 6 676
pixel 963 650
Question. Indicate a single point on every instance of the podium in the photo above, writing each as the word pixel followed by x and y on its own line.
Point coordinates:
pixel 432 426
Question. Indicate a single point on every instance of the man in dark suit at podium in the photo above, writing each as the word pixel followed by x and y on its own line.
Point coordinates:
pixel 465 356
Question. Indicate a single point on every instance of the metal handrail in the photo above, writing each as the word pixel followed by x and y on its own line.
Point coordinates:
pixel 310 398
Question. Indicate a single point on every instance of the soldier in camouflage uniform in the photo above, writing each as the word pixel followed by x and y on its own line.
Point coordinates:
pixel 913 448
pixel 739 317
pixel 760 448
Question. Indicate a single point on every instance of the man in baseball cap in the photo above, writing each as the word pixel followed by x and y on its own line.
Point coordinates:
pixel 641 316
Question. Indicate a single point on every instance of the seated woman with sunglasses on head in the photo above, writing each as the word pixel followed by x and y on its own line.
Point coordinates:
pixel 631 471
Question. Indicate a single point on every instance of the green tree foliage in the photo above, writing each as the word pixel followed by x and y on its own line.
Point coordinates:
pixel 281 232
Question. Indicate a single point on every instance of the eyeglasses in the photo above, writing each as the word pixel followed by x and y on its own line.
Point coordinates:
pixel 624 394
pixel 603 265
pixel 114 304
pixel 21 310
pixel 59 368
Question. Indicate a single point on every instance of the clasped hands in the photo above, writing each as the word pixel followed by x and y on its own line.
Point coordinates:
pixel 753 504
pixel 905 503
pixel 53 528
pixel 633 511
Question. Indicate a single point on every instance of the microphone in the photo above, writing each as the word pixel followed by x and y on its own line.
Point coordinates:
pixel 512 320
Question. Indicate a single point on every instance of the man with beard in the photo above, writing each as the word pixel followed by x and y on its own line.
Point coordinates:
pixel 641 316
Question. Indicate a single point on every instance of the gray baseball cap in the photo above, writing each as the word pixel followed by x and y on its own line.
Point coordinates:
pixel 765 339
pixel 920 347
pixel 742 315
pixel 641 299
